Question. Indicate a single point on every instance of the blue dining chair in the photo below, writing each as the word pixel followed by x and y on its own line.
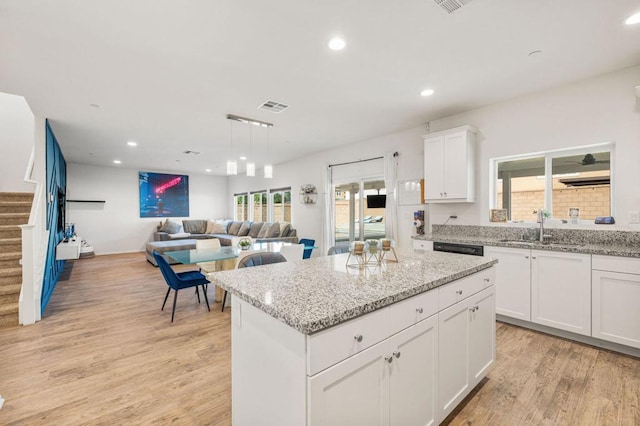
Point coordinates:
pixel 307 243
pixel 178 281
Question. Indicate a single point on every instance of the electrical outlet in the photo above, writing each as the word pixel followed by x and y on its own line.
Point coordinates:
pixel 634 217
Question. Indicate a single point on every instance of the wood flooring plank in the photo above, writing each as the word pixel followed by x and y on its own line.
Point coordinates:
pixel 106 354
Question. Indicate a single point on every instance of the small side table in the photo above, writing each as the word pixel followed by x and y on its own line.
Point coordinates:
pixel 69 250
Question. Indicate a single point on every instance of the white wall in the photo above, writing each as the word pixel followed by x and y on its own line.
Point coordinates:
pixel 116 226
pixel 308 219
pixel 16 142
pixel 601 109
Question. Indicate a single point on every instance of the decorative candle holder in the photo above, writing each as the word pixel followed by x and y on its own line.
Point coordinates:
pixel 357 250
pixel 388 250
pixel 373 251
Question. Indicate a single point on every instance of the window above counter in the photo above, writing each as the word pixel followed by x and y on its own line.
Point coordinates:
pixel 573 184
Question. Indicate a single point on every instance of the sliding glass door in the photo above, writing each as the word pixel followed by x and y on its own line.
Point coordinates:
pixel 359 210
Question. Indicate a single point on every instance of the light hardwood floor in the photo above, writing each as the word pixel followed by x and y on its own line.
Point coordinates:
pixel 104 353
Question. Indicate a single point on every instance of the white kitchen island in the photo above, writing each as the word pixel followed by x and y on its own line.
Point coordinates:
pixel 315 342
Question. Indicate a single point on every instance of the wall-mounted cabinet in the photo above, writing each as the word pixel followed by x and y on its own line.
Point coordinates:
pixel 449 166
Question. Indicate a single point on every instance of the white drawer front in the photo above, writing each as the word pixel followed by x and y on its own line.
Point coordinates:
pixel 422 245
pixel 456 291
pixel 413 310
pixel 627 265
pixel 335 344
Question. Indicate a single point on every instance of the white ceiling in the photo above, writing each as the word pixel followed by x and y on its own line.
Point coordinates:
pixel 165 73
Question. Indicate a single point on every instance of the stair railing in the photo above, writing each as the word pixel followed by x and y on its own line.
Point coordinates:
pixel 34 240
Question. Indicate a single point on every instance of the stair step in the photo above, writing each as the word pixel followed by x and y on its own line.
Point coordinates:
pixel 14 218
pixel 11 272
pixel 16 196
pixel 15 206
pixel 8 309
pixel 9 320
pixel 10 259
pixel 10 231
pixel 10 289
pixel 8 245
pixel 10 299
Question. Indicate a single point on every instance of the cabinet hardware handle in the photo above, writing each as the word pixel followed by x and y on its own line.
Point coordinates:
pixel 459 292
pixel 396 354
pixel 526 257
pixel 472 309
pixel 441 195
pixel 419 310
pixel 487 279
pixel 533 257
pixel 389 359
pixel 445 194
pixel 477 308
pixel 358 337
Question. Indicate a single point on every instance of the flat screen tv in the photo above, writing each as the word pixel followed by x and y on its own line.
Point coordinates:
pixel 376 201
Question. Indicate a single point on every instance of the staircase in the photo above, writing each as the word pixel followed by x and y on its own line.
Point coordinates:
pixel 14 211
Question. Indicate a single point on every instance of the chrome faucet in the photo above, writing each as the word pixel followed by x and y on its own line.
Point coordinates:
pixel 541 222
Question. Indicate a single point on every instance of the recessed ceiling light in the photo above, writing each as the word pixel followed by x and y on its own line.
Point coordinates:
pixel 207 170
pixel 337 43
pixel 132 143
pixel 243 158
pixel 117 162
pixel 633 19
pixel 427 92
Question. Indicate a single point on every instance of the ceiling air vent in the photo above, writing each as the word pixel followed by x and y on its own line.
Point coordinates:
pixel 273 106
pixel 451 6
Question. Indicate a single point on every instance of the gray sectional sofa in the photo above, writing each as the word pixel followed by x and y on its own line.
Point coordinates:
pixel 224 230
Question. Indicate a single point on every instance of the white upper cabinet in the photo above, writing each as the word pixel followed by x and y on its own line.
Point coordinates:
pixel 449 166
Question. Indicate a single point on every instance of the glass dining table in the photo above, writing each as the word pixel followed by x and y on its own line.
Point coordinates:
pixel 221 259
pixel 188 257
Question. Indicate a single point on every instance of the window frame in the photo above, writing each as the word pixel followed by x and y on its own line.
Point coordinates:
pixel 271 208
pixel 235 205
pixel 252 205
pixel 548 175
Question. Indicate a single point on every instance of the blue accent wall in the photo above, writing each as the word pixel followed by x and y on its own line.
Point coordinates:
pixel 56 188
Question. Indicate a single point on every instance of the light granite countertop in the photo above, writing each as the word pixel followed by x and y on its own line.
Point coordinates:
pixel 603 249
pixel 608 243
pixel 313 294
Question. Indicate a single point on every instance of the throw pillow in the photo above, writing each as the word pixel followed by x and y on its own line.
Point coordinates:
pixel 210 225
pixel 234 228
pixel 218 228
pixel 255 229
pixel 173 227
pixel 264 230
pixel 274 231
pixel 194 226
pixel 244 229
pixel 284 229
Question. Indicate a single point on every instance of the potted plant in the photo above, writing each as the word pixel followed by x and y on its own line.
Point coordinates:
pixel 244 244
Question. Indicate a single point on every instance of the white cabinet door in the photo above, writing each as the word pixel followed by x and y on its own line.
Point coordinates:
pixel 453 364
pixel 434 168
pixel 513 281
pixel 482 334
pixel 616 314
pixel 455 166
pixel 561 290
pixel 353 392
pixel 413 379
pixel 423 245
pixel 449 166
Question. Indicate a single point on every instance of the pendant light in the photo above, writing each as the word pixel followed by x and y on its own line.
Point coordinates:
pixel 251 166
pixel 268 168
pixel 232 165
